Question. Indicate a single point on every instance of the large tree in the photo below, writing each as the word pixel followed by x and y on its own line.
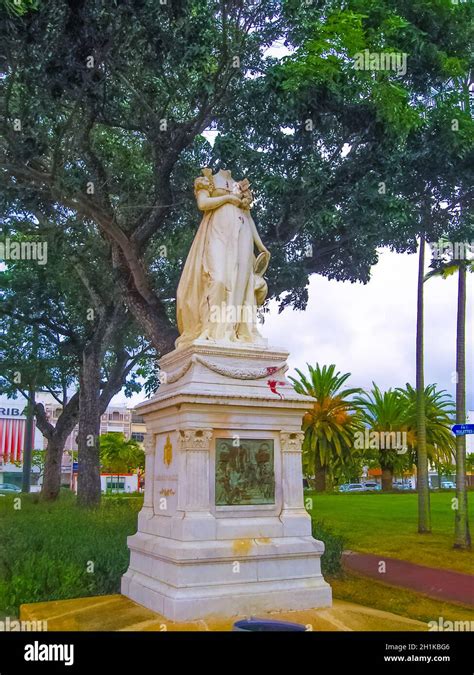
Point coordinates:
pixel 105 105
pixel 113 132
pixel 86 341
pixel 108 98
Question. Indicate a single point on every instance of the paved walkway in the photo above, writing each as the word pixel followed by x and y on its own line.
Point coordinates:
pixel 436 583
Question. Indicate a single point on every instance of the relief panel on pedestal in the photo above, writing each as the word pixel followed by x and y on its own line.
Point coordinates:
pixel 244 472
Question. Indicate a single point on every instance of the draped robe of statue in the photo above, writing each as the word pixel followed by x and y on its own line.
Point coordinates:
pixel 222 282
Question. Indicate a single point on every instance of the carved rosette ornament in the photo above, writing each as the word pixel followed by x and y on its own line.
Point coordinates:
pixel 291 442
pixel 195 439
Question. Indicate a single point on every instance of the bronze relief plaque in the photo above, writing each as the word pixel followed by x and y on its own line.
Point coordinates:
pixel 245 472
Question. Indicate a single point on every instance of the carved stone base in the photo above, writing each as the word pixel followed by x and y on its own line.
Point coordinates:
pixel 186 581
pixel 196 551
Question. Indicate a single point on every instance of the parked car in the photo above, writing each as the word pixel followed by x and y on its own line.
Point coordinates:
pixel 448 485
pixel 372 485
pixel 356 487
pixel 343 487
pixel 9 488
pixel 401 486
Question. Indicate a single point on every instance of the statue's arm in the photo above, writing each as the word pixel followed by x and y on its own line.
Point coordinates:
pixel 206 203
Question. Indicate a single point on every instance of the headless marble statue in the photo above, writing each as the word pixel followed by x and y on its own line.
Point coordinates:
pixel 222 282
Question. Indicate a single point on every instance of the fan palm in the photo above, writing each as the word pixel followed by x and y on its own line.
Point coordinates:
pixel 331 422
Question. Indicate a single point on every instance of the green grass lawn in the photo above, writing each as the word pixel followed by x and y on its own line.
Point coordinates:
pixel 363 591
pixel 59 551
pixel 386 524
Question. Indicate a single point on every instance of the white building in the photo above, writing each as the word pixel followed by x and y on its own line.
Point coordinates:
pixel 111 482
pixel 12 437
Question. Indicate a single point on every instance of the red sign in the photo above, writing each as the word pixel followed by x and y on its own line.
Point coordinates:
pixel 12 438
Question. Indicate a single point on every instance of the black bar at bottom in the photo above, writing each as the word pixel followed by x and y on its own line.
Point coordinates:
pixel 214 652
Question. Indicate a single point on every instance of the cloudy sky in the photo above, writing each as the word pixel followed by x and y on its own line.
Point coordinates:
pixel 369 330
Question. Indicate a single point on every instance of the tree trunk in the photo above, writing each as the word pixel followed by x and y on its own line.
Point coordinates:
pixel 88 477
pixel 320 473
pixel 387 479
pixel 52 470
pixel 148 310
pixel 57 437
pixel 462 537
pixel 424 515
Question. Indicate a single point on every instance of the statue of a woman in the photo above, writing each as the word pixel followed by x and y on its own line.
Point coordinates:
pixel 222 282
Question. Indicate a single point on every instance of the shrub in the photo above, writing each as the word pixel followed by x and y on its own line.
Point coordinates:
pixel 331 561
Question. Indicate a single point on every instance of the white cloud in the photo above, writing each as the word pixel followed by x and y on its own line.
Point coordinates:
pixel 370 330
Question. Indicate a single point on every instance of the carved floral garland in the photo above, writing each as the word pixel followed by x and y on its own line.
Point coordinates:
pixel 227 371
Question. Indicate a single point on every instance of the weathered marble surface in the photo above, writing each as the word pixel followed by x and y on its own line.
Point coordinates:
pixel 191 558
pixel 222 282
pixel 194 555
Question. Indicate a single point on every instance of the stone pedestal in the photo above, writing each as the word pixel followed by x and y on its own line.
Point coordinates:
pixel 202 548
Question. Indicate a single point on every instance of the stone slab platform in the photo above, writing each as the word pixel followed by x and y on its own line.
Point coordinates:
pixel 118 613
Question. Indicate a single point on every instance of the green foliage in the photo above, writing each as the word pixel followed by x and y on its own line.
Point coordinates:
pixel 385 412
pixel 45 549
pixel 331 561
pixel 20 7
pixel 330 424
pixel 37 462
pixel 440 413
pixel 118 455
pixel 445 468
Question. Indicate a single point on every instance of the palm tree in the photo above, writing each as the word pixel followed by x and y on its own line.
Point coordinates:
pixel 439 414
pixel 386 414
pixel 329 426
pixel 119 456
pixel 462 536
